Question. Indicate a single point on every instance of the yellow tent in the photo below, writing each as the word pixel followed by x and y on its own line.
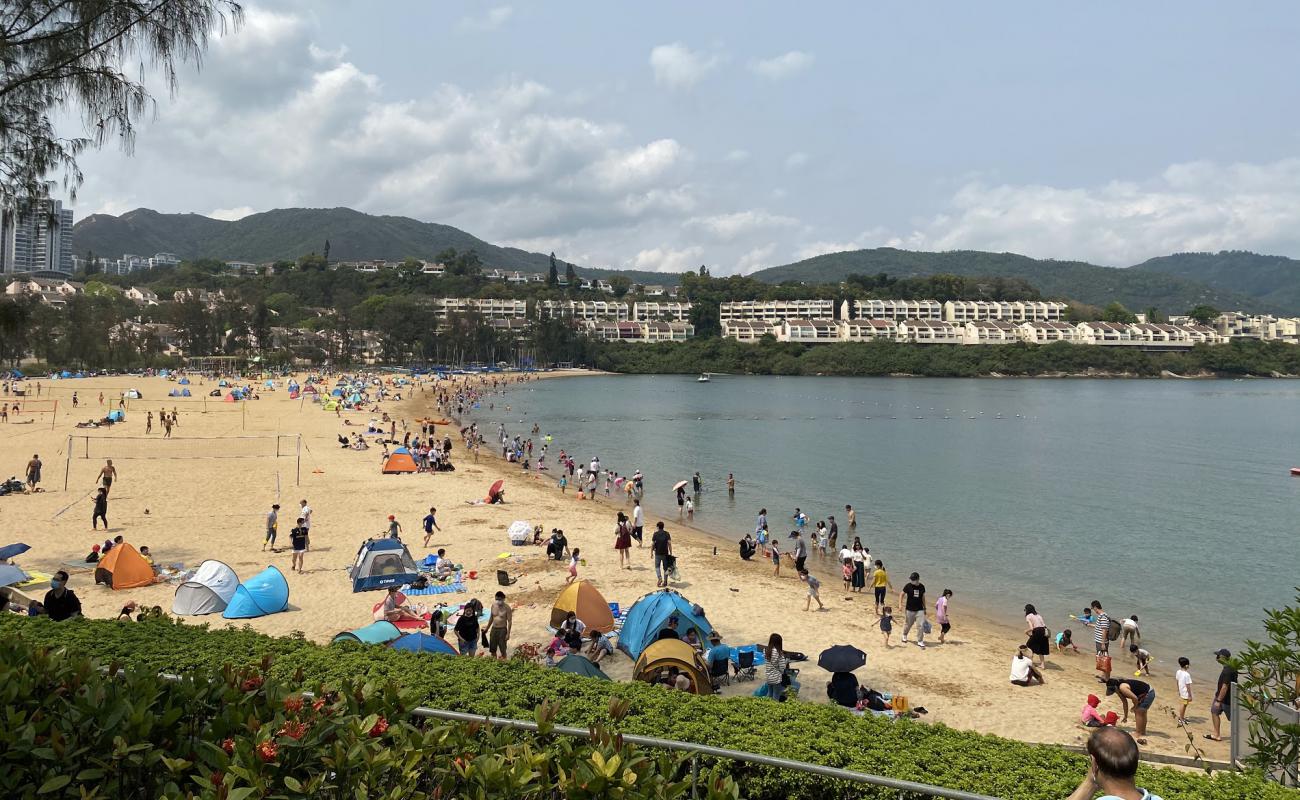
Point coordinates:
pixel 589 604
pixel 659 656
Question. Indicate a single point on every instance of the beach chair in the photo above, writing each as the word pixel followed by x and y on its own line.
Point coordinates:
pixel 719 672
pixel 745 667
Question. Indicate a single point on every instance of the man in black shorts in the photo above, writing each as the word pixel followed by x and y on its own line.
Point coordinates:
pixel 298 537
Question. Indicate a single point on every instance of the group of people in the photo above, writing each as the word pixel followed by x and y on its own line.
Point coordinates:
pixel 299 534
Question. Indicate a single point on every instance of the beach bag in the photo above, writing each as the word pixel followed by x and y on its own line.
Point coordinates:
pixel 926 627
pixel 504 579
pixel 1103 663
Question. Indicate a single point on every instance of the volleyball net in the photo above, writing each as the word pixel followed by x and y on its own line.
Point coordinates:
pixel 272 446
pixel 30 405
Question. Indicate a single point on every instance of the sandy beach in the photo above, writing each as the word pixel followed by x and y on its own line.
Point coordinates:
pixel 190 509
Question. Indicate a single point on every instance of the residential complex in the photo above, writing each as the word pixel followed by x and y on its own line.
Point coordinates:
pixel 36 239
pixel 776 310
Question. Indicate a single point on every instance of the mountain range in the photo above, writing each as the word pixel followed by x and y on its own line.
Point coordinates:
pixel 1173 283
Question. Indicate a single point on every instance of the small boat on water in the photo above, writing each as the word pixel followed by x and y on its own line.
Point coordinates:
pixel 1295 471
pixel 704 378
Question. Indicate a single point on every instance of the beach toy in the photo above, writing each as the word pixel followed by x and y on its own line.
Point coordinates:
pixel 473 574
pixel 503 555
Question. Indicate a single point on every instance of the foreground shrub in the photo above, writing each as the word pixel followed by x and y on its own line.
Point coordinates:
pixel 815 733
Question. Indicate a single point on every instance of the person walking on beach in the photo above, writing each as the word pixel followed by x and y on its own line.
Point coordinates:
pixel 880 584
pixel 623 541
pixel 1222 701
pixel 499 623
pixel 272 523
pixel 101 509
pixel 661 545
pixel 941 614
pixel 1036 630
pixel 913 600
pixel 799 552
pixel 430 525
pixel 886 623
pixel 148 422
pixel 298 536
pixel 106 475
pixel 304 511
pixel 814 587
pixel 33 472
pixel 574 560
pixel 1101 638
pixel 1112 767
pixel 394 527
pixel 638 523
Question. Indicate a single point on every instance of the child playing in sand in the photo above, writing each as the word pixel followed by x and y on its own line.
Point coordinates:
pixel 1064 641
pixel 573 565
pixel 394 528
pixel 776 559
pixel 1143 659
pixel 887 623
pixel 814 586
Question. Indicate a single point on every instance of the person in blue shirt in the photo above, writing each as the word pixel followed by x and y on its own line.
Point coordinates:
pixel 430 525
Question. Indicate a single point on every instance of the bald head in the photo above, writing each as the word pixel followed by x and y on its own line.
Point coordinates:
pixel 1116 753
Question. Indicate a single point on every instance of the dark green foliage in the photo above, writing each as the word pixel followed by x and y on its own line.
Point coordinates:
pixel 1270 676
pixel 1273 280
pixel 811 732
pixel 1074 280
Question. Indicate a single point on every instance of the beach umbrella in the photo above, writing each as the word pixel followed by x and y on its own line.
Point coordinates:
pixel 841 658
pixel 678 485
pixel 496 487
pixel 9 575
pixel 10 550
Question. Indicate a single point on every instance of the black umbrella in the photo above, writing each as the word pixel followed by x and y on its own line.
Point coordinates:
pixel 841 658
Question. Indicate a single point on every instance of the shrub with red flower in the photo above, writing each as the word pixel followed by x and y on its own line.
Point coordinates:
pixel 292 729
pixel 267 751
pixel 228 745
pixel 380 728
pixel 293 704
pixel 251 684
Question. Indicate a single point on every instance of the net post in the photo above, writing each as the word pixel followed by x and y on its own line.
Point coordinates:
pixel 243 415
pixel 297 481
pixel 67 464
pixel 55 416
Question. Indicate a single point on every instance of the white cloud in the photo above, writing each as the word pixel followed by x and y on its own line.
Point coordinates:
pixel 737 156
pixel 239 212
pixel 663 259
pixel 728 227
pixel 782 66
pixel 493 19
pixel 796 160
pixel 678 67
pixel 756 259
pixel 1196 206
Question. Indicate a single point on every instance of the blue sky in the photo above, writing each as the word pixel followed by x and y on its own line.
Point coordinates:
pixel 668 135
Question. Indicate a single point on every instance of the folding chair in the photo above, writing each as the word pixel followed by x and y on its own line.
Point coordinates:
pixel 745 669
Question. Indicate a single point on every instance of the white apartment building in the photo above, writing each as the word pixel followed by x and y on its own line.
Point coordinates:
pixel 491 308
pixel 891 309
pixel 582 310
pixel 960 311
pixel 36 237
pixel 629 331
pixel 867 330
pixel 142 296
pixel 808 331
pixel 1106 333
pixel 929 331
pixel 1047 332
pixel 675 311
pixel 747 330
pixel 777 310
pixel 990 331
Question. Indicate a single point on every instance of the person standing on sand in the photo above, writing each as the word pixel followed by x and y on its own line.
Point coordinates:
pixel 814 587
pixel 1036 630
pixel 272 523
pixel 859 566
pixel 799 552
pixel 298 536
pixel 101 509
pixel 33 472
pixel 880 583
pixel 661 545
pixel 1101 638
pixel 1222 701
pixel 776 559
pixel 499 623
pixel 913 600
pixel 1112 767
pixel 941 614
pixel 304 511
pixel 148 422
pixel 623 541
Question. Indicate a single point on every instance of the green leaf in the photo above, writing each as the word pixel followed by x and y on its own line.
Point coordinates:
pixel 54 784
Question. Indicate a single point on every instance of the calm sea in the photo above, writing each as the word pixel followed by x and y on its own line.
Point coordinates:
pixel 1169 499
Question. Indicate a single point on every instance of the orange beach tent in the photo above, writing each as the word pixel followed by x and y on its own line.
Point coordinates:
pixel 587 603
pixel 124 568
pixel 399 461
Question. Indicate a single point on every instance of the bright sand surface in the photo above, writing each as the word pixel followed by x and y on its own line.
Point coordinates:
pixel 187 510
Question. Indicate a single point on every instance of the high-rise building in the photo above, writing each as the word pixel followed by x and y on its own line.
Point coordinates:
pixel 36 237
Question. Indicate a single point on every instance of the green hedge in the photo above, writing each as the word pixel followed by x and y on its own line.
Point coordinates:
pixel 818 733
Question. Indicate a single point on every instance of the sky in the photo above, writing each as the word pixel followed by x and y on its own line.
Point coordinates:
pixel 664 136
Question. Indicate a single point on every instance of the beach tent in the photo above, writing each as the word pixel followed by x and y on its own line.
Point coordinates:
pixel 116 416
pixel 580 665
pixel 310 389
pixel 229 398
pixel 185 392
pixel 123 568
pixel 174 393
pixel 337 392
pixel 65 374
pixel 269 384
pixel 132 394
pixel 399 461
pixel 423 643
pixel 208 592
pixel 267 592
pixel 519 532
pixel 381 632
pixel 382 563
pixel 329 405
pixel 184 381
pixel 665 653
pixel 222 382
pixel 589 604
pixel 650 614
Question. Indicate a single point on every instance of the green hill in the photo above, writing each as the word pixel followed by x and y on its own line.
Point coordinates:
pixel 287 233
pixel 1138 289
pixel 1274 280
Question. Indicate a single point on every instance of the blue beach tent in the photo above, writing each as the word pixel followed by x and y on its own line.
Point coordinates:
pixel 185 392
pixel 184 381
pixel 382 563
pixel 116 416
pixel 650 614
pixel 381 632
pixel 423 643
pixel 267 592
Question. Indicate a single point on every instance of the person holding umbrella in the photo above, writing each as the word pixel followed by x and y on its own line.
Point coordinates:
pixel 680 490
pixel 840 661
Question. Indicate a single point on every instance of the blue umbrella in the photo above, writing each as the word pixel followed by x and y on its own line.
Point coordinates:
pixel 9 575
pixel 10 550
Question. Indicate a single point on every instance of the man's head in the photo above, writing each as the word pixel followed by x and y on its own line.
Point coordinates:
pixel 501 597
pixel 59 580
pixel 275 506
pixel 110 462
pixel 1095 605
pixel 302 502
pixel 1114 756
pixel 1022 652
pixel 1184 662
pixel 915 576
pixel 1222 655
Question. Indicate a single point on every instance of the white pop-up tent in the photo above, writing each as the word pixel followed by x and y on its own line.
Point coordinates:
pixel 208 592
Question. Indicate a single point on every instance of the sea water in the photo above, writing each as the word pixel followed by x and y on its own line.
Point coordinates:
pixel 1169 499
